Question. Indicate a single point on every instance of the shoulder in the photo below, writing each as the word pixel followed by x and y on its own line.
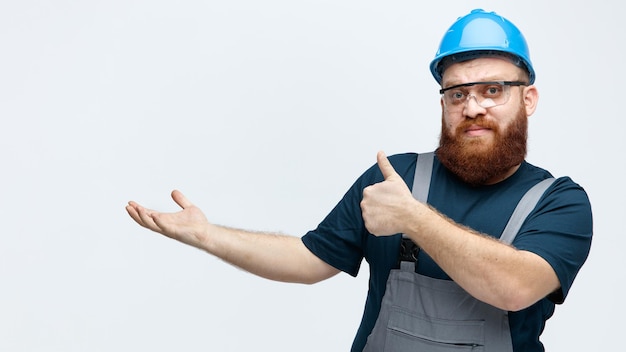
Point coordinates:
pixel 563 189
pixel 404 164
pixel 564 194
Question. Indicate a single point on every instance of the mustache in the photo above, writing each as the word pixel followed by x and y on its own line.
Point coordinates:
pixel 478 121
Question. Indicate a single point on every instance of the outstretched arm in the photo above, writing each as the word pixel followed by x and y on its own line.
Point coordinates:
pixel 489 270
pixel 272 256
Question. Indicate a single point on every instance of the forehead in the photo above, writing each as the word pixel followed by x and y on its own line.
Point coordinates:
pixel 478 70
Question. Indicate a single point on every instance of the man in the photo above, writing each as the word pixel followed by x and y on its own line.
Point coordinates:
pixel 447 273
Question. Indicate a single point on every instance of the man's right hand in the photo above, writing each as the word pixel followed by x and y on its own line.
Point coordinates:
pixel 189 225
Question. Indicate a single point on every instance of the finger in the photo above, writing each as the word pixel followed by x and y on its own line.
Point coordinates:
pixel 385 166
pixel 144 217
pixel 130 209
pixel 180 199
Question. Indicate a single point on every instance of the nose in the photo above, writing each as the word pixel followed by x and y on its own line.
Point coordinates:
pixel 472 109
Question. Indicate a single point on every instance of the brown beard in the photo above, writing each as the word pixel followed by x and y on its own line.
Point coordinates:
pixel 477 163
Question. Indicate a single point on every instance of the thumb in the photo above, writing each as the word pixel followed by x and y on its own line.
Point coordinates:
pixel 385 166
pixel 180 199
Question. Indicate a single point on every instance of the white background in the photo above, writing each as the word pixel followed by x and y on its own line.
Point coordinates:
pixel 263 113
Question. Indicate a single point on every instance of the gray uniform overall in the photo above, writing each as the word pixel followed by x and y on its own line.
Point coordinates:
pixel 419 313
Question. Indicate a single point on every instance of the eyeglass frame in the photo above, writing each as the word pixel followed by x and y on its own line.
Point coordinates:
pixel 502 83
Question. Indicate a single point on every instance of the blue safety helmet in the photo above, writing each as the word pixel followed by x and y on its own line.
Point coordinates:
pixel 482 34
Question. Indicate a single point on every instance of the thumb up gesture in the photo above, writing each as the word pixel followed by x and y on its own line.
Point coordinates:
pixel 387 206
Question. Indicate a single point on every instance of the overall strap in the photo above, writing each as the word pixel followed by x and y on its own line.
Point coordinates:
pixel 524 207
pixel 423 173
pixel 421 186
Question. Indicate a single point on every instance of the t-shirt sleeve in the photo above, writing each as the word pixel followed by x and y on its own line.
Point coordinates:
pixel 338 239
pixel 560 230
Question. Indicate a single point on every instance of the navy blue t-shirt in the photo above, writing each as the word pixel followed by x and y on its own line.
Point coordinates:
pixel 559 230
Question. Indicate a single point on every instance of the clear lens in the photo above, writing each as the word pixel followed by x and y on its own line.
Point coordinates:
pixel 486 94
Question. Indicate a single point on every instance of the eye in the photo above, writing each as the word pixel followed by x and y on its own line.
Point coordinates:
pixel 456 96
pixel 492 91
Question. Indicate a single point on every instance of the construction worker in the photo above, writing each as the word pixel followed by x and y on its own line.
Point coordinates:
pixel 469 247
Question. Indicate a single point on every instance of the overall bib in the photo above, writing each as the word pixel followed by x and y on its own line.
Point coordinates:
pixel 420 313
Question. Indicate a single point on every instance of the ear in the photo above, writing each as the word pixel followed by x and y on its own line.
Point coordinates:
pixel 531 98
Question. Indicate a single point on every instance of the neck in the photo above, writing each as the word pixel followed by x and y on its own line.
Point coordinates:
pixel 504 176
